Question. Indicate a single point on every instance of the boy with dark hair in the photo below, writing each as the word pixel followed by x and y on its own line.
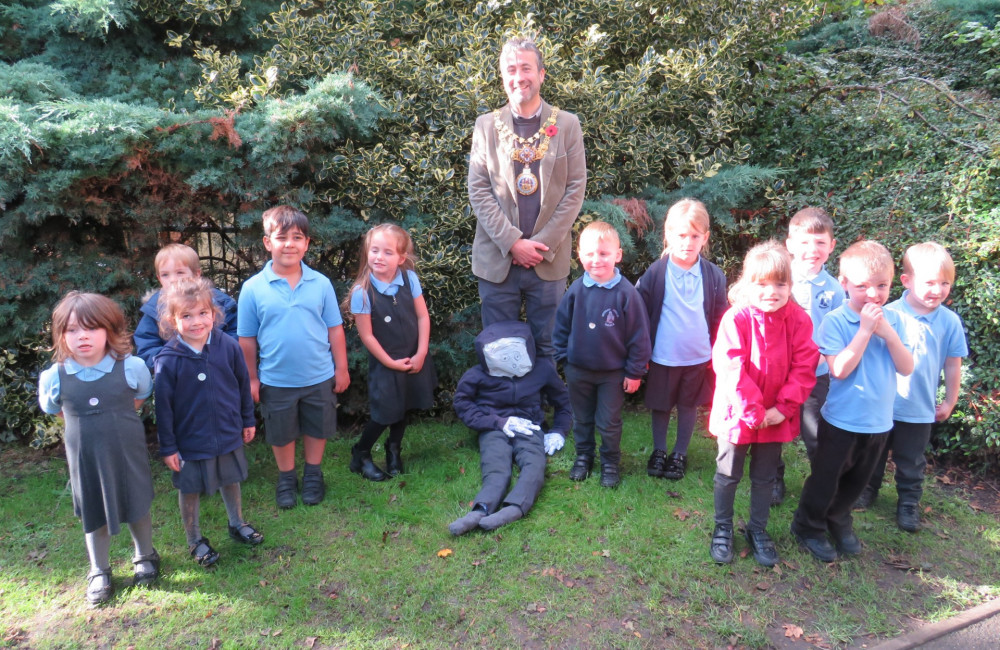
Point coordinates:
pixel 289 312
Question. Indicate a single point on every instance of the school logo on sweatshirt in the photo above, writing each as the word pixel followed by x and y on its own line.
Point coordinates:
pixel 610 316
pixel 824 299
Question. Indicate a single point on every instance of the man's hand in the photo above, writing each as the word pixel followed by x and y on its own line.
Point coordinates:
pixel 527 252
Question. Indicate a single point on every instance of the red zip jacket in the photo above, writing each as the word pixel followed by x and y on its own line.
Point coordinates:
pixel 762 360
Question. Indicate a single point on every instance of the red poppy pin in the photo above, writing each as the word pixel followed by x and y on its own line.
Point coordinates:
pixel 551 130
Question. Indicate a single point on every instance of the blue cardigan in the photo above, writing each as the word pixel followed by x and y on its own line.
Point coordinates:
pixel 203 401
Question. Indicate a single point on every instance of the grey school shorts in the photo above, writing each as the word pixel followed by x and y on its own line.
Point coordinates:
pixel 290 413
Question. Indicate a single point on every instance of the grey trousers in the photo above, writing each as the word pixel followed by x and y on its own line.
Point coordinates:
pixel 729 470
pixel 497 456
pixel 908 441
pixel 597 397
pixel 840 471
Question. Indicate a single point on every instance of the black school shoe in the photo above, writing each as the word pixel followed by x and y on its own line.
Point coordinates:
pixel 866 499
pixel 721 549
pixel 146 578
pixel 657 464
pixel 286 493
pixel 582 467
pixel 819 547
pixel 847 544
pixel 609 476
pixel 762 547
pixel 908 517
pixel 676 464
pixel 98 593
pixel 313 488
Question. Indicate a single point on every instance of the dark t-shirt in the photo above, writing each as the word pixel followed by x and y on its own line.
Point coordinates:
pixel 528 206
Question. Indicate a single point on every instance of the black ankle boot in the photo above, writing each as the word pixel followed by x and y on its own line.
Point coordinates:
pixel 361 463
pixel 393 459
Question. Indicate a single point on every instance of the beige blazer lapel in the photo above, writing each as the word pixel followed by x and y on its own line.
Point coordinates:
pixel 503 156
pixel 544 173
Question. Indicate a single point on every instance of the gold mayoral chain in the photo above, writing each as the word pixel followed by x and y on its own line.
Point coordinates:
pixel 526 150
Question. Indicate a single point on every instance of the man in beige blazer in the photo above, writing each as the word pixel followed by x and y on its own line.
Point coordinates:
pixel 527 178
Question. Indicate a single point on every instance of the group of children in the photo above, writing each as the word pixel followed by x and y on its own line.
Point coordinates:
pixel 771 357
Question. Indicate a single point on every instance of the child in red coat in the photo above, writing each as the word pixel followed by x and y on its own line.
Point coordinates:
pixel 765 362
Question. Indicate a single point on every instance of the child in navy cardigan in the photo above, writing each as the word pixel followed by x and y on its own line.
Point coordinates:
pixel 685 297
pixel 204 411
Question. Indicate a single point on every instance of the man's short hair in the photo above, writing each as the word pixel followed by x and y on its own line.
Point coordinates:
pixel 868 255
pixel 929 256
pixel 521 44
pixel 814 221
pixel 284 218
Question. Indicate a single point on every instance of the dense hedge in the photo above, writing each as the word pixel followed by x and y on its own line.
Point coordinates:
pixel 130 123
pixel 871 129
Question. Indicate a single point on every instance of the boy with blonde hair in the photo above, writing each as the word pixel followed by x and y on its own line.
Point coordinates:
pixel 936 336
pixel 810 242
pixel 290 313
pixel 861 343
pixel 602 332
pixel 173 262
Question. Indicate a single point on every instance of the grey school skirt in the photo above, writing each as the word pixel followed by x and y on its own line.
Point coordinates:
pixel 208 475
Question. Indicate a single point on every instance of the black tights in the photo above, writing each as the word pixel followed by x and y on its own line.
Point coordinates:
pixel 373 430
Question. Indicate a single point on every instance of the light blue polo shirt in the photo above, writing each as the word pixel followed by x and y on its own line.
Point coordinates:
pixel 932 338
pixel 824 295
pixel 136 376
pixel 682 335
pixel 610 284
pixel 359 299
pixel 291 326
pixel 862 401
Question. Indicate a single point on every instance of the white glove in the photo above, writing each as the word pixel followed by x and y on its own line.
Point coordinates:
pixel 524 426
pixel 554 442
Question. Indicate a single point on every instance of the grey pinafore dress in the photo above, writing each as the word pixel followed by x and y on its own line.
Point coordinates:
pixel 106 450
pixel 392 393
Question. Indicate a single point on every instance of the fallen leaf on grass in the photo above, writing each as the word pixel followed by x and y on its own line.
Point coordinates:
pixel 392 498
pixel 763 586
pixel 263 583
pixel 681 514
pixel 266 632
pixel 445 552
pixel 37 555
pixel 311 641
pixel 602 553
pixel 944 478
pixel 673 495
pixel 792 631
pixel 461 470
pixel 928 509
pixel 817 641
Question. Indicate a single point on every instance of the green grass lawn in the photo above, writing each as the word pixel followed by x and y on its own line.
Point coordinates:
pixel 587 568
